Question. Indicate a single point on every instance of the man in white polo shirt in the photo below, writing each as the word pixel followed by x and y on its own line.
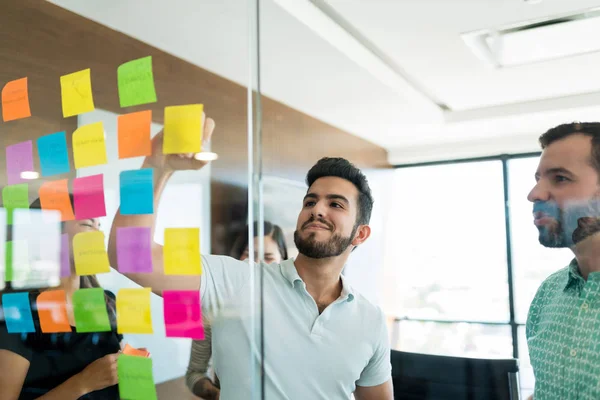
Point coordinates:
pixel 322 340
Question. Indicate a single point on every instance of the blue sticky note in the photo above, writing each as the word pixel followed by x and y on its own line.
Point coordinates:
pixel 52 150
pixel 136 192
pixel 17 312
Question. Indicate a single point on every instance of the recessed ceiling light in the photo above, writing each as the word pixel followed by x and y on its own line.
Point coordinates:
pixel 30 175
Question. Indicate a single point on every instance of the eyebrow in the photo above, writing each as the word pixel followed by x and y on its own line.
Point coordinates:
pixel 555 170
pixel 329 196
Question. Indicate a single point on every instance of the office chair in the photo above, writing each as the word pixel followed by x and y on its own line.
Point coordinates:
pixel 430 377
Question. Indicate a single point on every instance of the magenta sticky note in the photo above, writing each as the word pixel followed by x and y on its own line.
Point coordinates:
pixel 134 251
pixel 183 314
pixel 19 158
pixel 65 256
pixel 88 193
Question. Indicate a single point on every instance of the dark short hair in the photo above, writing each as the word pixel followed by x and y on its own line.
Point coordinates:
pixel 269 229
pixel 342 168
pixel 591 129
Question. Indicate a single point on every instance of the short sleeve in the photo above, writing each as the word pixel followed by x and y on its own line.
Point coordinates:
pixel 379 368
pixel 222 279
pixel 14 343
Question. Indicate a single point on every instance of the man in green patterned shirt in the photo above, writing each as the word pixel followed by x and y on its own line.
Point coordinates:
pixel 563 326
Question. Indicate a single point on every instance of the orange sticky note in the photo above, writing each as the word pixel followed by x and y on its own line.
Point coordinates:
pixel 132 351
pixel 15 100
pixel 52 309
pixel 55 196
pixel 134 134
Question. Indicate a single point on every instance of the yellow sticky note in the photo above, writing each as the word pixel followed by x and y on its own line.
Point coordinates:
pixel 133 311
pixel 183 129
pixel 181 252
pixel 76 92
pixel 89 147
pixel 90 254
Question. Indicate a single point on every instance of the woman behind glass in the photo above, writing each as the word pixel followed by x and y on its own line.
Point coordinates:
pixel 197 378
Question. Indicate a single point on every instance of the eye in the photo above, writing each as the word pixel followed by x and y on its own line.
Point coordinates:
pixel 336 204
pixel 309 203
pixel 561 179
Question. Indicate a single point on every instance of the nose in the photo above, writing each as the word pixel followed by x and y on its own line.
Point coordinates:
pixel 538 193
pixel 318 211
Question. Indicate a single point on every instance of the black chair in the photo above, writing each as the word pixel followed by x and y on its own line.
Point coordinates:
pixel 430 377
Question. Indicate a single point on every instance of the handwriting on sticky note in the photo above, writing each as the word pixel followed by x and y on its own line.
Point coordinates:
pixel 90 254
pixel 89 148
pixel 76 93
pixel 134 249
pixel 17 312
pixel 136 189
pixel 183 129
pixel 19 158
pixel 135 378
pixel 133 131
pixel 182 251
pixel 88 197
pixel 54 195
pixel 133 311
pixel 52 310
pixel 52 150
pixel 136 82
pixel 183 314
pixel 89 309
pixel 13 197
pixel 15 100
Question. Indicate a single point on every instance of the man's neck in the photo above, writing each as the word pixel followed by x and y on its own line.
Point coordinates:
pixel 587 253
pixel 322 277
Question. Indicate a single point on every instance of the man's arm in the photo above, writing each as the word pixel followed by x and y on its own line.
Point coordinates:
pixel 385 391
pixel 164 166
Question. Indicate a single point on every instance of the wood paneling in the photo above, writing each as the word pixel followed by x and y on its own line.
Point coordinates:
pixel 43 41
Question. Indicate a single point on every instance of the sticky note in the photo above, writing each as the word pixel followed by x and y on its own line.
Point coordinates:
pixel 89 308
pixel 54 195
pixel 88 197
pixel 133 132
pixel 181 252
pixel 137 191
pixel 15 100
pixel 52 150
pixel 183 314
pixel 15 196
pixel 52 310
pixel 135 378
pixel 76 93
pixel 8 260
pixel 90 254
pixel 134 249
pixel 136 82
pixel 65 256
pixel 133 311
pixel 17 312
pixel 89 148
pixel 183 129
pixel 19 158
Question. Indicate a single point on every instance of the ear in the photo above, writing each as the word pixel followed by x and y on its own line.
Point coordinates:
pixel 362 233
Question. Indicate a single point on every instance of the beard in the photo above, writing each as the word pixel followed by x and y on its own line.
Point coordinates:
pixel 570 224
pixel 312 248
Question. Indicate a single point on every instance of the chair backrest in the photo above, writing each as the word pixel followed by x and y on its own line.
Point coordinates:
pixel 431 377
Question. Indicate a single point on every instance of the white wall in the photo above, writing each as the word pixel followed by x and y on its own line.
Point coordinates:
pixel 185 203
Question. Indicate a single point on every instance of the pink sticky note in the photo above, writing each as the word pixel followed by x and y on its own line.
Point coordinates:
pixel 183 314
pixel 19 158
pixel 88 193
pixel 65 256
pixel 134 253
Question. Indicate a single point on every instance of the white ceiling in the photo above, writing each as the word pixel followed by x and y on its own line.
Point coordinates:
pixel 491 110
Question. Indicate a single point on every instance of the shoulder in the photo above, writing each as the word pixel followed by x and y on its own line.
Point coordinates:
pixel 371 314
pixel 557 280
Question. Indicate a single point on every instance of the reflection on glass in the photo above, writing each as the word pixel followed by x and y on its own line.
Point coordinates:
pixel 532 262
pixel 2 247
pixel 525 369
pixel 450 238
pixel 455 339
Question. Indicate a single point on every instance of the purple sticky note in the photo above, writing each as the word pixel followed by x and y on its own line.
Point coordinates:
pixel 88 193
pixel 134 253
pixel 183 314
pixel 19 158
pixel 65 256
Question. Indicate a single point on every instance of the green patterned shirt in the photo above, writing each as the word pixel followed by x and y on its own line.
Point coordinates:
pixel 563 335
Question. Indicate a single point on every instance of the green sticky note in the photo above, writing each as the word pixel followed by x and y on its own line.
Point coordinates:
pixel 136 82
pixel 15 196
pixel 8 258
pixel 135 378
pixel 89 307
